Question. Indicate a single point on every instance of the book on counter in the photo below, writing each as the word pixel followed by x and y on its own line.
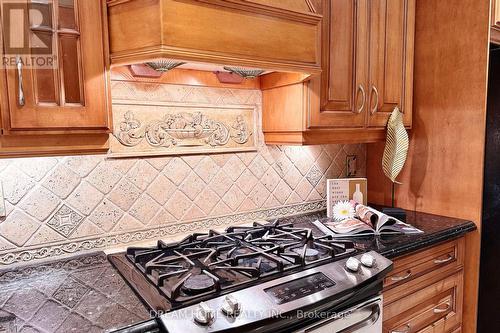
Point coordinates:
pixel 366 221
pixel 345 189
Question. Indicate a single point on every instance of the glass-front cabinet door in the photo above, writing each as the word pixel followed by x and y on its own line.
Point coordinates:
pixel 54 55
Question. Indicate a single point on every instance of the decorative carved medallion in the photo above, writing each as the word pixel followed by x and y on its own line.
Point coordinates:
pixel 181 129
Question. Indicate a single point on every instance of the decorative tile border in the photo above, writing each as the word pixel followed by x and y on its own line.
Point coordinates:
pixel 95 243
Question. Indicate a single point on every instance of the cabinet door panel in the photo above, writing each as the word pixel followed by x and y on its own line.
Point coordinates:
pixel 391 61
pixel 72 94
pixel 345 65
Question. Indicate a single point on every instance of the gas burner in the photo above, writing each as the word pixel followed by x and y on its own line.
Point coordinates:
pixel 202 266
pixel 197 284
pixel 310 254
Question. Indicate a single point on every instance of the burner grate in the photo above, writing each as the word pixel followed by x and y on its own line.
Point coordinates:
pixel 205 264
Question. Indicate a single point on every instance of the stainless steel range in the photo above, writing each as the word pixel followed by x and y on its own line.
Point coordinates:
pixel 270 277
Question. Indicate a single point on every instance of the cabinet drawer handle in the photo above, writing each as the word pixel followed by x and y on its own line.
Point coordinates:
pixel 375 107
pixel 20 92
pixel 363 93
pixel 407 329
pixel 401 278
pixel 437 309
pixel 442 261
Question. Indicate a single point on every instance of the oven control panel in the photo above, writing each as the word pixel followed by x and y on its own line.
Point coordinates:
pixel 276 299
pixel 308 285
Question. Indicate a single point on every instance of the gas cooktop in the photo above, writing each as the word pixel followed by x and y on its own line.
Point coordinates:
pixel 206 265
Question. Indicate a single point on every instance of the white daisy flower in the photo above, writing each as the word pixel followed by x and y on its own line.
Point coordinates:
pixel 343 210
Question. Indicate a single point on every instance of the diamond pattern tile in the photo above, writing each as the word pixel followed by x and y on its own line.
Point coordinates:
pixel 142 174
pixel 65 220
pixel 124 194
pixel 72 198
pixel 61 181
pixel 161 189
pixel 70 292
pixel 39 203
pixel 177 170
pixel 234 167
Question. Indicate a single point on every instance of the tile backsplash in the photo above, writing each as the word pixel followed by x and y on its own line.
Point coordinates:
pixel 61 205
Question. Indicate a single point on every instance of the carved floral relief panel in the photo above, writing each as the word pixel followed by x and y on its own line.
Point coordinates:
pixel 145 128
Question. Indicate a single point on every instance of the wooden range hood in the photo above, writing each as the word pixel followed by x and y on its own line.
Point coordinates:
pixel 272 34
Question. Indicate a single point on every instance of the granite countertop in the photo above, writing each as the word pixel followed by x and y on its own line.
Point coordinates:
pixel 436 229
pixel 86 294
pixel 80 294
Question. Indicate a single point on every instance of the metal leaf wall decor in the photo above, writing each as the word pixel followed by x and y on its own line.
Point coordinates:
pixel 396 146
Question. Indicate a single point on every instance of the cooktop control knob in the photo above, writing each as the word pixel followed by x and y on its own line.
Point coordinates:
pixel 203 314
pixel 352 264
pixel 230 306
pixel 367 260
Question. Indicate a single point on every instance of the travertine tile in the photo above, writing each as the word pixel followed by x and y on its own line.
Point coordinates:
pixel 221 209
pixel 127 222
pixel 314 175
pixel 121 196
pixel 234 197
pixel 207 200
pixel 85 198
pixel 86 229
pixel 18 227
pixel 65 220
pixel 178 204
pixel 207 169
pixel 234 168
pixel 192 185
pixel 61 181
pixel 282 191
pixel 324 161
pixel 161 189
pixel 104 178
pixel 303 188
pixel 144 209
pixel 124 194
pixel 258 166
pixel 142 174
pixel 39 203
pixel 177 170
pixel 6 245
pixel 45 235
pixel 161 218
pixel 259 194
pixel 36 168
pixel 194 213
pixel 221 183
pixel 158 162
pixel 247 181
pixel 82 165
pixel 292 177
pixel 270 179
pixel 15 184
pixel 106 215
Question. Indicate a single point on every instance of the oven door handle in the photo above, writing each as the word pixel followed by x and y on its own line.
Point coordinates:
pixel 143 327
pixel 374 316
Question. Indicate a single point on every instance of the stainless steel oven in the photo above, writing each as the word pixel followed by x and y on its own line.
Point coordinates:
pixel 365 317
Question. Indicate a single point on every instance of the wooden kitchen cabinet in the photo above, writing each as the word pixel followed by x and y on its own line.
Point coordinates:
pixel 495 21
pixel 72 96
pixel 268 34
pixel 367 70
pixel 392 31
pixel 63 108
pixel 424 292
